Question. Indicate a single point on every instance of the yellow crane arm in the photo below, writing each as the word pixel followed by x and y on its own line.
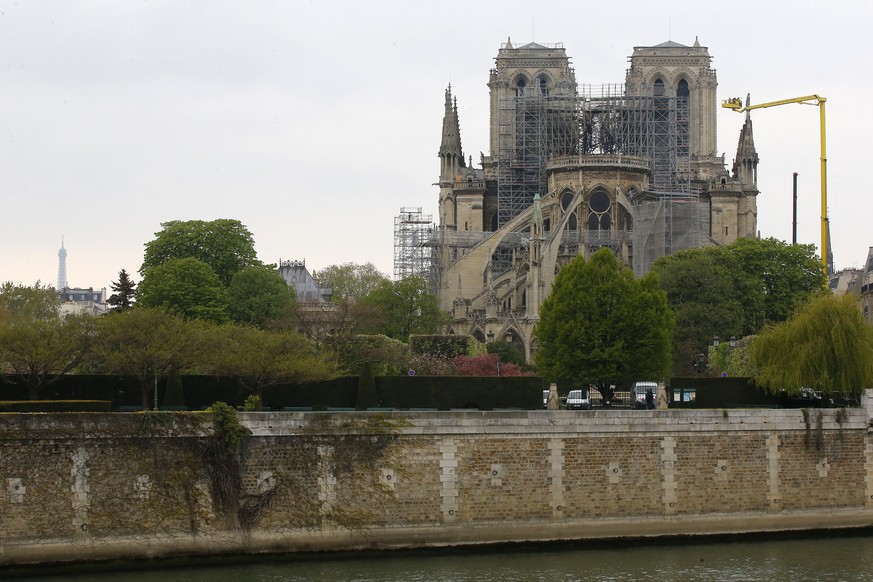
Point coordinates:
pixel 736 104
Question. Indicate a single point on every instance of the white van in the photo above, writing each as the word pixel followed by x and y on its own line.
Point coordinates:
pixel 639 393
pixel 578 400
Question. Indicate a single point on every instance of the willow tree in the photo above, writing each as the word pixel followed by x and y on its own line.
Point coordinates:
pixel 602 327
pixel 826 345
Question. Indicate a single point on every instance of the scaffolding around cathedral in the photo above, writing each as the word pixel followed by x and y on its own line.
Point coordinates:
pixel 413 232
pixel 534 127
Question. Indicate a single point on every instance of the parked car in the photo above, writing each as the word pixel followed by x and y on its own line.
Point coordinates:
pixel 639 391
pixel 805 398
pixel 578 400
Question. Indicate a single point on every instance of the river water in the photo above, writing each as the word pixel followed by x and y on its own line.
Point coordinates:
pixel 767 559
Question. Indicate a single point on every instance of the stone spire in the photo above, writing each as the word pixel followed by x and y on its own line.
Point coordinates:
pixel 746 163
pixel 451 141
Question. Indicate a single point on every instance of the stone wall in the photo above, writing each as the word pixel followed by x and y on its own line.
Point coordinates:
pixel 94 486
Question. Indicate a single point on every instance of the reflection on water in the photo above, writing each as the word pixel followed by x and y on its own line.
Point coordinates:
pixel 833 558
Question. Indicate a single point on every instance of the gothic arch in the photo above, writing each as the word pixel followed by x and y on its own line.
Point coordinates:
pixel 653 76
pixel 566 198
pixel 687 74
pixel 520 80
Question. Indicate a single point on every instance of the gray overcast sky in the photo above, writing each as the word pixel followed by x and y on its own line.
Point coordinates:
pixel 313 122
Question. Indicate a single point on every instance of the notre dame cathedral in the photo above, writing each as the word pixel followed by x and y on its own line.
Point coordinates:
pixel 573 168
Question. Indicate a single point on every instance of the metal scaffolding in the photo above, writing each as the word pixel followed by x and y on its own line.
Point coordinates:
pixel 412 243
pixel 534 127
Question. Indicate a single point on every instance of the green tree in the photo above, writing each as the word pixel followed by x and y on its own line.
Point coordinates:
pixel 29 302
pixel 826 345
pixel 382 355
pixel 38 351
pixel 187 287
pixel 257 295
pixel 149 344
pixel 404 307
pixel 124 292
pixel 508 352
pixel 786 275
pixel 225 245
pixel 734 290
pixel 702 292
pixel 350 280
pixel 261 359
pixel 601 327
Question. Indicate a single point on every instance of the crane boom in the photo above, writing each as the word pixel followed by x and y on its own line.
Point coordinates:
pixel 736 104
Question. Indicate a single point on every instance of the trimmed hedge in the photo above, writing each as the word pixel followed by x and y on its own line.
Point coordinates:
pixel 443 346
pixel 441 392
pixel 447 392
pixel 55 406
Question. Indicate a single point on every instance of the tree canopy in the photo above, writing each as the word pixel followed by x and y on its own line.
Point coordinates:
pixel 124 292
pixel 600 326
pixel 404 307
pixel 226 245
pixel 261 359
pixel 38 351
pixel 350 280
pixel 257 295
pixel 734 290
pixel 148 344
pixel 826 345
pixel 187 287
pixel 29 302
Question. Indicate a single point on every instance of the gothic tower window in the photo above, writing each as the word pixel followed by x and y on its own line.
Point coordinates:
pixel 566 199
pixel 520 87
pixel 544 85
pixel 683 103
pixel 659 88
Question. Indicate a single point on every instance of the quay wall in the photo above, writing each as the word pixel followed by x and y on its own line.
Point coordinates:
pixel 110 486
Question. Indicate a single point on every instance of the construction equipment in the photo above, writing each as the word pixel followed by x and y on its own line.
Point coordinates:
pixel 735 104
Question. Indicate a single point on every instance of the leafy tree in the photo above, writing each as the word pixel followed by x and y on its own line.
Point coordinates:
pixel 508 352
pixel 734 290
pixel 787 275
pixel 703 294
pixel 350 280
pixel 602 327
pixel 38 351
pixel 826 345
pixel 428 364
pixel 149 344
pixel 125 292
pixel 257 295
pixel 383 355
pixel 261 359
pixel 404 307
pixel 225 245
pixel 29 302
pixel 736 361
pixel 187 287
